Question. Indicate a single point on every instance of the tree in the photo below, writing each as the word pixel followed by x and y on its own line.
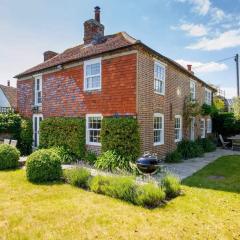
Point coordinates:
pixel 219 104
pixel 236 107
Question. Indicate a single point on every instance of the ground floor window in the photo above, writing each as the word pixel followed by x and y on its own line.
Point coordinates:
pixel 209 125
pixel 202 127
pixel 158 129
pixel 93 128
pixel 178 128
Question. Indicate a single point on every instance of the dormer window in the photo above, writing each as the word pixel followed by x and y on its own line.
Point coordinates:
pixel 92 75
pixel 38 90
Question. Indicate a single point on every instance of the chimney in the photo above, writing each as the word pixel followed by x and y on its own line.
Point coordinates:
pixel 93 29
pixel 48 55
pixel 8 83
pixel 189 68
pixel 97 14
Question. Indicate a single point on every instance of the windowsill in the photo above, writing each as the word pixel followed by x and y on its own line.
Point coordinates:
pixel 161 94
pixel 92 89
pixel 177 140
pixel 202 137
pixel 158 144
pixel 94 144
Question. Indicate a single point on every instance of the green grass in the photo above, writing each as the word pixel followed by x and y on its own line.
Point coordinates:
pixel 222 174
pixel 61 211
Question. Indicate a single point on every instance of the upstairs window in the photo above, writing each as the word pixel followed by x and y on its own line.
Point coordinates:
pixel 208 96
pixel 192 90
pixel 93 128
pixel 92 75
pixel 209 125
pixel 202 128
pixel 159 78
pixel 178 128
pixel 38 90
pixel 158 129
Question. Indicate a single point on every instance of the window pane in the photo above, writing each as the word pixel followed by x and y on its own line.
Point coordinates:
pixel 95 68
pixel 96 82
pixel 88 70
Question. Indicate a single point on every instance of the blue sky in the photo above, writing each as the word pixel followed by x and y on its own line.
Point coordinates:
pixel 188 31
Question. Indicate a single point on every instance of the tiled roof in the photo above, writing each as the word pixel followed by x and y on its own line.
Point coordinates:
pixel 110 42
pixel 11 95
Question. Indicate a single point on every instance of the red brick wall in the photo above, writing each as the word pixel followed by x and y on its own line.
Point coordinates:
pixel 63 93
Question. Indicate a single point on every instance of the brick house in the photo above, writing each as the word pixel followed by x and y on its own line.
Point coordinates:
pixel 114 75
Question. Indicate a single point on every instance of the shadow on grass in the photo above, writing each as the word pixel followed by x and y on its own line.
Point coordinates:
pixel 222 174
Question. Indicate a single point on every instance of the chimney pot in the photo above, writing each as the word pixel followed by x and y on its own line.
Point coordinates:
pixel 8 83
pixel 97 14
pixel 189 67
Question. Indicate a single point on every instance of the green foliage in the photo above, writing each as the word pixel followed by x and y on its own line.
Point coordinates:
pixel 236 107
pixel 90 157
pixel 65 154
pixel 174 157
pixel 219 104
pixel 26 137
pixel 171 185
pixel 190 109
pixel 99 184
pixel 149 195
pixel 111 161
pixel 43 166
pixel 206 144
pixel 78 177
pixel 65 132
pixel 189 149
pixel 206 110
pixel 10 123
pixel 122 136
pixel 9 157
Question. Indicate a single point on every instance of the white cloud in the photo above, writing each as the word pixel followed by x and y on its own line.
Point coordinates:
pixel 226 39
pixel 200 67
pixel 201 7
pixel 196 30
pixel 217 14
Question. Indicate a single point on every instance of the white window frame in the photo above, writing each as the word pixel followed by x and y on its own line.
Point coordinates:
pixel 193 83
pixel 203 129
pixel 180 128
pixel 87 129
pixel 90 62
pixel 162 65
pixel 36 91
pixel 162 129
pixel 209 125
pixel 208 96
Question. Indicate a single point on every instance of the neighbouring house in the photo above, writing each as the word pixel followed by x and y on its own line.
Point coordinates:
pixel 8 98
pixel 111 75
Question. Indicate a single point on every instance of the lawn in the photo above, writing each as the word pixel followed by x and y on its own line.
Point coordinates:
pixel 60 211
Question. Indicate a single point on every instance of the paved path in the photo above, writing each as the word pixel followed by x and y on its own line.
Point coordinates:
pixel 190 166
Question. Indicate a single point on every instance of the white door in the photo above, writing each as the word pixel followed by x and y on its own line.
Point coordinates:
pixel 37 118
pixel 192 129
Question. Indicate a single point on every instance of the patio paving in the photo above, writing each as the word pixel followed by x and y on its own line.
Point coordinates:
pixel 190 166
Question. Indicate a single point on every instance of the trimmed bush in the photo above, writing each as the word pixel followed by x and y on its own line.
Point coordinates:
pixel 149 195
pixel 65 154
pixel 9 157
pixel 64 132
pixel 189 149
pixel 78 177
pixel 206 144
pixel 171 185
pixel 99 184
pixel 90 157
pixel 122 188
pixel 122 136
pixel 26 137
pixel 174 157
pixel 43 166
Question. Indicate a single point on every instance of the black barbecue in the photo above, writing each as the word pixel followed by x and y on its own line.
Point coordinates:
pixel 148 164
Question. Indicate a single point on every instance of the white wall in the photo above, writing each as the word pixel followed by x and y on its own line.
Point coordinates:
pixel 3 100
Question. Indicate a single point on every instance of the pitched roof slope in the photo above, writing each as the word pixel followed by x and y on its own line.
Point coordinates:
pixel 110 42
pixel 11 95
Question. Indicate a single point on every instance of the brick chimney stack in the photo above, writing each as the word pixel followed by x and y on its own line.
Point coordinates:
pixel 8 83
pixel 48 55
pixel 93 29
pixel 189 67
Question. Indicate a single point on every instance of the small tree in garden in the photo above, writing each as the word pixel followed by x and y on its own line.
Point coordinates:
pixel 236 107
pixel 219 104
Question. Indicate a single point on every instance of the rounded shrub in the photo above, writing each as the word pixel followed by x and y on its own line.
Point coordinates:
pixel 9 157
pixel 43 166
pixel 171 185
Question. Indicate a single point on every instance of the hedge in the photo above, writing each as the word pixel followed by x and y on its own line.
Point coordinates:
pixel 26 137
pixel 64 132
pixel 122 136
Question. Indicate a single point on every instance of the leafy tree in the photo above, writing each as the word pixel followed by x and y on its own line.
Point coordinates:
pixel 219 104
pixel 236 107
